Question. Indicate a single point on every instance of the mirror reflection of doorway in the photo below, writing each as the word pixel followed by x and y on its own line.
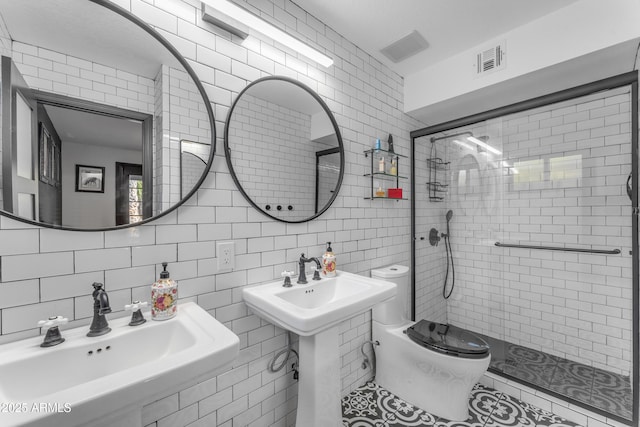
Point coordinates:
pixel 19 144
pixel 129 193
pixel 43 139
pixel 327 173
pixel 101 136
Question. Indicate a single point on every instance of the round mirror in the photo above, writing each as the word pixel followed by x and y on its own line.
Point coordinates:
pixel 284 149
pixel 104 124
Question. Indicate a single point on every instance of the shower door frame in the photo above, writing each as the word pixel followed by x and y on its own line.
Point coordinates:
pixel 626 79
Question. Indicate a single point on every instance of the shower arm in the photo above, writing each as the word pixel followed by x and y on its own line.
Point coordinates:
pixel 434 139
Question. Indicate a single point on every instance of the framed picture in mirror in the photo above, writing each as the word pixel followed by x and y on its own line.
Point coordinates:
pixel 89 179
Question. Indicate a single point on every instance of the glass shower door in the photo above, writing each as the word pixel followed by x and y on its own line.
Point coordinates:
pixel 542 243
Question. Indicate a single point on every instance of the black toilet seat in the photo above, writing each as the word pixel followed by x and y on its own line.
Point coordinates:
pixel 448 339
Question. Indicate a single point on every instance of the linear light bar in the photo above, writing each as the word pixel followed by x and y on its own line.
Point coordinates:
pixel 484 145
pixel 253 21
pixel 463 144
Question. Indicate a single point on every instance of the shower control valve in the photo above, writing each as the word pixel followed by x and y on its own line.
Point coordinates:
pixel 434 237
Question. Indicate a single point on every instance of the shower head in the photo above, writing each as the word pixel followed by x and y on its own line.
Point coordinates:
pixel 449 215
pixel 481 142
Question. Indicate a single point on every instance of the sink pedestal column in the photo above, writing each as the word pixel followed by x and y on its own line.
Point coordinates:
pixel 319 389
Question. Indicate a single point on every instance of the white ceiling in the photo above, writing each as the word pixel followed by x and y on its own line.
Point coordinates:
pixel 86 30
pixel 449 26
pixel 87 128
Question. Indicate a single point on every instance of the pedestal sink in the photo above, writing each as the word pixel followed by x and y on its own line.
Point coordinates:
pixel 106 380
pixel 314 311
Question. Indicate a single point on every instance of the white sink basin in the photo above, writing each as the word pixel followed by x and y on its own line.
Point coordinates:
pixel 318 305
pixel 107 378
pixel 313 311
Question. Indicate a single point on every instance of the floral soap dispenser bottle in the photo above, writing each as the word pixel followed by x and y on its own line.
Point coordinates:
pixel 164 296
pixel 329 262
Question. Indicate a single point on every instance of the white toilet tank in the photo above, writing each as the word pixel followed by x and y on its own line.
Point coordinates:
pixel 395 311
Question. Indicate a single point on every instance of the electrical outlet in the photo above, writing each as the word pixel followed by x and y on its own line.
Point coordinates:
pixel 226 256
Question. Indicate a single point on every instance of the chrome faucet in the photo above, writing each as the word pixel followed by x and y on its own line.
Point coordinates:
pixel 99 325
pixel 302 277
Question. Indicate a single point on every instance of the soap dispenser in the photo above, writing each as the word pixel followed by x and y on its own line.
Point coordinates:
pixel 329 262
pixel 164 296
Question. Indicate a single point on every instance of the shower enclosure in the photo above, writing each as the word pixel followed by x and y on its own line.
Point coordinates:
pixel 544 239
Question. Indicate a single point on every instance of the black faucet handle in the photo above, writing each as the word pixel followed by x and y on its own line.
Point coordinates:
pixel 137 318
pixel 53 336
pixel 97 286
pixel 287 278
pixel 53 321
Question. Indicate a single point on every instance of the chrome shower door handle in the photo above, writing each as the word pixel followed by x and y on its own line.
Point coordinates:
pixel 629 188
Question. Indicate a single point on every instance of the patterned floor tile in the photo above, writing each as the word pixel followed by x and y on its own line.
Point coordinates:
pixel 583 384
pixel 511 412
pixel 373 406
pixel 573 380
pixel 539 374
pixel 612 392
pixel 406 414
pixel 483 401
pixel 365 406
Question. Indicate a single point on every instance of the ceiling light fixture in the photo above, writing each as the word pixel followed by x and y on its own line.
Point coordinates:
pixel 484 145
pixel 230 14
pixel 463 144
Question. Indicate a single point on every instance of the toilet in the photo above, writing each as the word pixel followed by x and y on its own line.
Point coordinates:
pixel 432 366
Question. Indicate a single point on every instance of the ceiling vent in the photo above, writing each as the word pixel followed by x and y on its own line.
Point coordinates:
pixel 405 47
pixel 491 59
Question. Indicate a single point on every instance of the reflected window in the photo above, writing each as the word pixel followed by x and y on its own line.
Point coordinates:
pixel 135 199
pixel 529 171
pixel 566 167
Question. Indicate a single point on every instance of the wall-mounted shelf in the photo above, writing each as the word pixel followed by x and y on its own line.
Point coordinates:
pixel 437 191
pixel 437 176
pixel 438 164
pixel 386 175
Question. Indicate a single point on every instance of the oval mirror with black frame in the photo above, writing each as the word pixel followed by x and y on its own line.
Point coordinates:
pixel 284 149
pixel 101 117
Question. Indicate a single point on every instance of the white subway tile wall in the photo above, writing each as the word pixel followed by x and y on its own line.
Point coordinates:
pixel 264 135
pixel 172 96
pixel 65 75
pixel 44 272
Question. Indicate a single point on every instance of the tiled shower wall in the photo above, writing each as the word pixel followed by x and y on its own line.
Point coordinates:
pixel 559 182
pixel 430 262
pixel 47 272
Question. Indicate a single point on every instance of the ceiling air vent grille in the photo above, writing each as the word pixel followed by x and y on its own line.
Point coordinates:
pixel 406 47
pixel 491 59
